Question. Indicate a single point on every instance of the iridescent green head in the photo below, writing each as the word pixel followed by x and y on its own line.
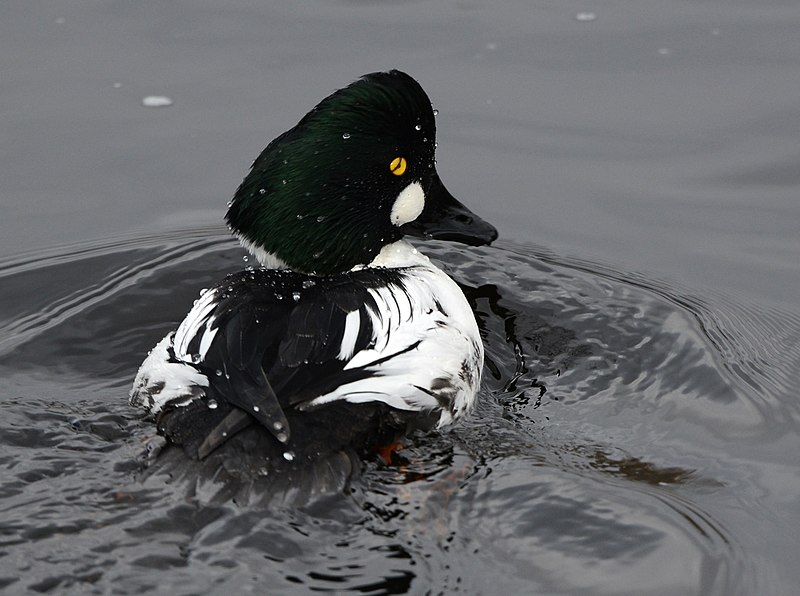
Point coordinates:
pixel 356 173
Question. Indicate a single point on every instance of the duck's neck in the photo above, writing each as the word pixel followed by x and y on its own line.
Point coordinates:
pixel 266 259
pixel 395 255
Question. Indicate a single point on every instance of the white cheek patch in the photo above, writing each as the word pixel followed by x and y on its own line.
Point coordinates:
pixel 408 204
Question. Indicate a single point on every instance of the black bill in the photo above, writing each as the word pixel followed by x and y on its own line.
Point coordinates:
pixel 444 218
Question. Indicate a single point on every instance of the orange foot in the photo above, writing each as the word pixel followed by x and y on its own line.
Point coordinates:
pixel 389 453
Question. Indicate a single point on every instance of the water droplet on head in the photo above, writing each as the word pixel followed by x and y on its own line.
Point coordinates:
pixel 296 296
pixel 212 405
pixel 316 255
pixel 218 372
pixel 435 112
pixel 245 258
pixel 418 127
pixel 282 437
pixel 346 135
pixel 277 425
pixel 196 358
pixel 288 455
pixel 256 409
pixel 283 181
pixel 263 191
pixel 320 218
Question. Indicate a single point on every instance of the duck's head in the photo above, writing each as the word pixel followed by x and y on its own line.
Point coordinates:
pixel 355 174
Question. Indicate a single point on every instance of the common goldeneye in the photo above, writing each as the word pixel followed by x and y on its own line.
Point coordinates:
pixel 348 336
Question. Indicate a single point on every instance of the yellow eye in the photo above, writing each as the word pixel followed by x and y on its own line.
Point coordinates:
pixel 398 166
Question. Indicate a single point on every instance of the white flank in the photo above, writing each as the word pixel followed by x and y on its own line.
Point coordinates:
pixel 169 377
pixel 161 381
pixel 446 342
pixel 408 204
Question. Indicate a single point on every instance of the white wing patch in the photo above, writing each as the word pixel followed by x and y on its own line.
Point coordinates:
pixel 352 325
pixel 198 317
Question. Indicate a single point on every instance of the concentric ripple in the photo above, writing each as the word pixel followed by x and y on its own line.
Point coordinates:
pixel 633 436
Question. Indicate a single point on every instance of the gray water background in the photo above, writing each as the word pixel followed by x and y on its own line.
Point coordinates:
pixel 657 139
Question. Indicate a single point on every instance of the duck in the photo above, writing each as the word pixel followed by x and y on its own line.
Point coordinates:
pixel 346 336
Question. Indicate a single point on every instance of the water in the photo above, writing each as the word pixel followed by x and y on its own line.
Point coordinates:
pixel 630 438
pixel 638 428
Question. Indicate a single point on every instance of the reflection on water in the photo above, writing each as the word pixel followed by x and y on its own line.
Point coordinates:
pixel 616 447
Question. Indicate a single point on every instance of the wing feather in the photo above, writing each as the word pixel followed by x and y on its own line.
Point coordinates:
pixel 264 352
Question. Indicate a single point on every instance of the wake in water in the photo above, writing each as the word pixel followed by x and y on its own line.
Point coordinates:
pixel 610 419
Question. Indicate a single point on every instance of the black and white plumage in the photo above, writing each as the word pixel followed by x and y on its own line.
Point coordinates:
pixel 274 346
pixel 352 337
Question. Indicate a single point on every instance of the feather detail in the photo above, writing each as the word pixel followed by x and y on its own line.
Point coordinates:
pixel 276 343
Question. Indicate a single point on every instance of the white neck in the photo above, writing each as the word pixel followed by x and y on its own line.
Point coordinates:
pixel 267 259
pixel 397 254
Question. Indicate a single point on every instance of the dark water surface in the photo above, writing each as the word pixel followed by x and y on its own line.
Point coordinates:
pixel 639 423
pixel 629 439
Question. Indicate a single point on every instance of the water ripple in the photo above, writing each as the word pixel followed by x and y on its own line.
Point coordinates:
pixel 618 445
